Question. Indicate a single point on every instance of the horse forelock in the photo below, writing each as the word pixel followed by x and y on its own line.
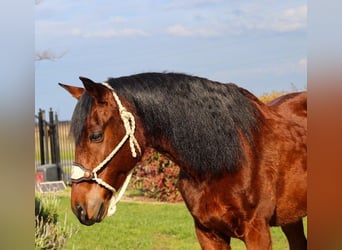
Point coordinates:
pixel 202 119
pixel 79 116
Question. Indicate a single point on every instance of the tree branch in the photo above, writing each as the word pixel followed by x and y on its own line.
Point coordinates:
pixel 48 55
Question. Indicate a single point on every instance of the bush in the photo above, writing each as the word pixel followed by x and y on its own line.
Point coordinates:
pixel 157 177
pixel 49 233
pixel 267 97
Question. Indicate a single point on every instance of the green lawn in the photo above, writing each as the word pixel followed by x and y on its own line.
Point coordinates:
pixel 143 226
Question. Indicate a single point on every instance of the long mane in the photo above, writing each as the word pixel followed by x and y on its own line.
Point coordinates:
pixel 202 119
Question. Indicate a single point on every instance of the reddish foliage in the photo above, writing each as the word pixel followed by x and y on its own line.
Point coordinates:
pixel 156 176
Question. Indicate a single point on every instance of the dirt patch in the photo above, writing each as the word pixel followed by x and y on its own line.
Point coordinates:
pixel 144 199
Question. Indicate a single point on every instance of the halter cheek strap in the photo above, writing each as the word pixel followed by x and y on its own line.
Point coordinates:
pixel 80 173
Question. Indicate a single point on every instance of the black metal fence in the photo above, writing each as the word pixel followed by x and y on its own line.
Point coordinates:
pixel 53 145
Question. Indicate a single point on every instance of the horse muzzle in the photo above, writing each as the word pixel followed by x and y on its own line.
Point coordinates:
pixel 85 218
pixel 90 207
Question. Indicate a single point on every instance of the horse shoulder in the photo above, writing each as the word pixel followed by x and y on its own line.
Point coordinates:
pixel 229 203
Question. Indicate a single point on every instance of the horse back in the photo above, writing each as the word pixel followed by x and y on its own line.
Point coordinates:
pixel 292 106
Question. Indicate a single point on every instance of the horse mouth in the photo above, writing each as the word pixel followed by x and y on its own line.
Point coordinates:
pixel 84 218
pixel 87 222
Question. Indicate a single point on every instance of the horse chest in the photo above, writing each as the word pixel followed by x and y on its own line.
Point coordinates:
pixel 223 212
pixel 223 218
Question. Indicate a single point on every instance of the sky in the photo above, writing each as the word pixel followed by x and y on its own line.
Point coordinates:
pixel 258 45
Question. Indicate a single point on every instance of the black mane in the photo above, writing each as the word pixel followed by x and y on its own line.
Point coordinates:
pixel 202 119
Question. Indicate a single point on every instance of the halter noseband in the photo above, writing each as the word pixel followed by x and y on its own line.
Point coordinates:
pixel 80 173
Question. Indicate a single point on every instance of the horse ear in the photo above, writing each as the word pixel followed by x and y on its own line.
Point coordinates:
pixel 97 91
pixel 74 91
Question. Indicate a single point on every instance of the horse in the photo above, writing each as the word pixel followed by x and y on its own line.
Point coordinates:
pixel 243 164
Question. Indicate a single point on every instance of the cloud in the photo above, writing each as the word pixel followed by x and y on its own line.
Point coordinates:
pixel 240 20
pixel 63 19
pixel 287 20
pixel 181 4
pixel 109 33
pixel 182 18
pixel 180 30
pixel 281 69
pixel 67 29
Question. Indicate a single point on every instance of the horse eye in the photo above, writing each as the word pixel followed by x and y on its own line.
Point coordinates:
pixel 96 137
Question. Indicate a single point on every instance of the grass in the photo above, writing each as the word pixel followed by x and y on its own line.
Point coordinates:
pixel 136 226
pixel 144 226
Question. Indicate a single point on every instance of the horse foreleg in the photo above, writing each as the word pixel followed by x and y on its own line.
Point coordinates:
pixel 210 240
pixel 295 235
pixel 258 235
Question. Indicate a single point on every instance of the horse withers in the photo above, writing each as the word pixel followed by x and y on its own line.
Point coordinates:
pixel 242 163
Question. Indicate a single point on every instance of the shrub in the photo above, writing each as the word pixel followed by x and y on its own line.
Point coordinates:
pixel 49 233
pixel 157 176
pixel 267 97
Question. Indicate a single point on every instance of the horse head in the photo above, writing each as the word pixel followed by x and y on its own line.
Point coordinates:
pixel 106 151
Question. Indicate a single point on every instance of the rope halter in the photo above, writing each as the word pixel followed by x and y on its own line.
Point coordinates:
pixel 80 173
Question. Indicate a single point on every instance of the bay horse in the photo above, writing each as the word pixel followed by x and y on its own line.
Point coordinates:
pixel 242 162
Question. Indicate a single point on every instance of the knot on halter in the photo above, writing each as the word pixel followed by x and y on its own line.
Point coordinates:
pixel 129 124
pixel 79 173
pixel 128 121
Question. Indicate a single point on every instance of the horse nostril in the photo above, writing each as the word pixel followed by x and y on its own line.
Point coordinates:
pixel 80 211
pixel 100 212
pixel 83 217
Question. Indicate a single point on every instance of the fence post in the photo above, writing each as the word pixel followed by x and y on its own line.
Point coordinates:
pixel 46 140
pixel 41 135
pixel 57 148
pixel 54 143
pixel 51 134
